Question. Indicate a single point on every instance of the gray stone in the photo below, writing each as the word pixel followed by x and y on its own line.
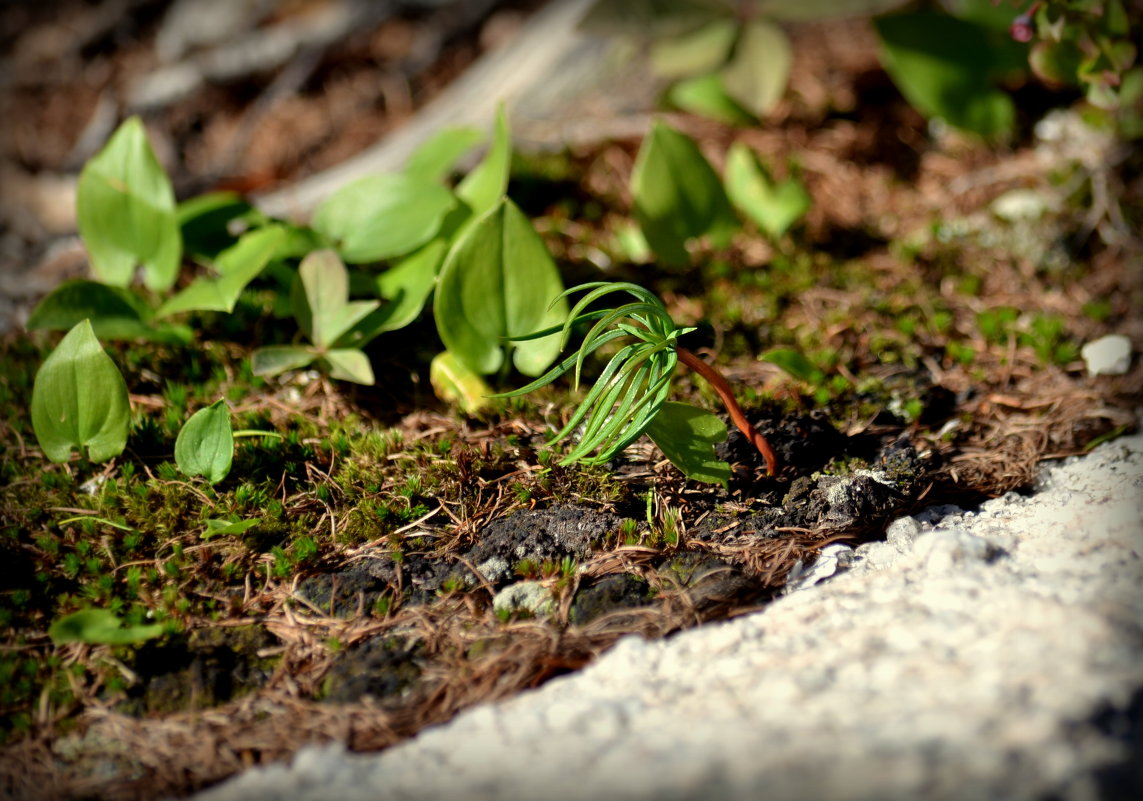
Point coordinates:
pixel 529 596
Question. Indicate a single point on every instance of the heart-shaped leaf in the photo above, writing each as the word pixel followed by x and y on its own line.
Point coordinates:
pixel 687 435
pixel 757 74
pixel 100 627
pixel 126 212
pixel 205 445
pixel 383 216
pixel 678 195
pixel 773 206
pixel 482 188
pixel 79 400
pixel 499 282
pixel 237 266
pixel 454 383
pixel 321 299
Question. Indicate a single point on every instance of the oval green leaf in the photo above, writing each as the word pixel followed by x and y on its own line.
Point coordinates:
pixel 349 364
pixel 694 52
pixel 79 400
pixel 205 445
pixel 455 383
pixel 687 435
pixel 126 212
pixel 435 159
pixel 677 195
pixel 275 359
pixel 757 74
pixel 499 282
pixel 482 188
pixel 321 299
pixel 383 216
pixel 705 95
pixel 114 312
pixel 99 627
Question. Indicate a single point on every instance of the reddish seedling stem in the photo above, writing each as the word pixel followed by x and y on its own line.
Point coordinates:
pixel 723 389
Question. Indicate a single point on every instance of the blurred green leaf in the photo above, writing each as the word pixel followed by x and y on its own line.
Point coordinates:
pixel 205 444
pixel 677 195
pixel 99 627
pixel 79 400
pixel 773 206
pixel 705 95
pixel 349 364
pixel 694 52
pixel 794 363
pixel 499 282
pixel 220 528
pixel 802 10
pixel 687 435
pixel 237 266
pixel 205 222
pixel 275 359
pixel 380 217
pixel 437 157
pixel 482 188
pixel 652 18
pixel 455 383
pixel 126 212
pixel 114 312
pixel 757 74
pixel 321 299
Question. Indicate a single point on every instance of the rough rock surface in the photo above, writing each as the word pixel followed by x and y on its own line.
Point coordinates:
pixel 995 654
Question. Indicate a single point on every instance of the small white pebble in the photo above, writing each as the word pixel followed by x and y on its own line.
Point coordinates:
pixel 1109 355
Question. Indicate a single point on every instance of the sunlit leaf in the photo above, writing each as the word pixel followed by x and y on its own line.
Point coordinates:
pixel 321 301
pixel 482 188
pixel 126 212
pixel 677 195
pixel 275 359
pixel 497 283
pixel 437 157
pixel 237 266
pixel 687 435
pixel 706 96
pixel 757 74
pixel 383 216
pixel 774 206
pixel 694 52
pixel 455 383
pixel 100 627
pixel 79 400
pixel 205 445
pixel 349 364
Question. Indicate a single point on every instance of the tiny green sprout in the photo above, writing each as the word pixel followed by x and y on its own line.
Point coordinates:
pixel 633 387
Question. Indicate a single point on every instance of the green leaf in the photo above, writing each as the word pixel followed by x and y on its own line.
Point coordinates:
pixel 651 18
pixel 99 627
pixel 773 206
pixel 237 266
pixel 349 364
pixel 801 10
pixel 321 300
pixel 275 359
pixel 205 445
pixel 437 157
pixel 114 312
pixel 205 222
pixel 694 52
pixel 705 95
pixel 945 68
pixel 221 528
pixel 757 74
pixel 499 282
pixel 482 188
pixel 455 383
pixel 794 363
pixel 407 285
pixel 79 400
pixel 126 212
pixel 677 195
pixel 687 435
pixel 383 216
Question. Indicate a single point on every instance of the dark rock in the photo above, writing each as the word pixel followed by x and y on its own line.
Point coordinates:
pixel 378 668
pixel 540 535
pixel 609 594
pixel 711 583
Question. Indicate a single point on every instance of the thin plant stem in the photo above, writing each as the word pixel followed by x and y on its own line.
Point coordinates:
pixel 715 379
